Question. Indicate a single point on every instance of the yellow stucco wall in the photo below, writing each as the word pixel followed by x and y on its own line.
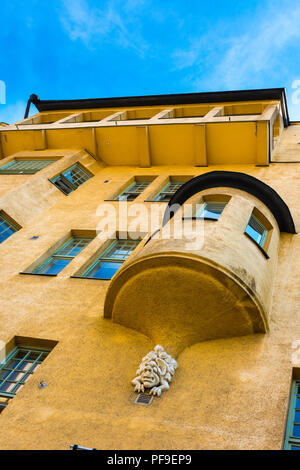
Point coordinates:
pixel 226 394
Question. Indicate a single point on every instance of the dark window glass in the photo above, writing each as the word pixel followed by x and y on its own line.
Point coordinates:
pixel 16 370
pixel 292 439
pixel 166 194
pixel 133 191
pixel 6 228
pixel 256 230
pixel 71 179
pixel 211 210
pixel 24 166
pixel 63 256
pixel 108 263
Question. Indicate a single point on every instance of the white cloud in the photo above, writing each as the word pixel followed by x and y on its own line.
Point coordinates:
pixel 13 112
pixel 257 50
pixel 235 59
pixel 115 22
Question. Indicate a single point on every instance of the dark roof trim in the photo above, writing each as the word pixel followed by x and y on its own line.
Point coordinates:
pixel 232 179
pixel 157 100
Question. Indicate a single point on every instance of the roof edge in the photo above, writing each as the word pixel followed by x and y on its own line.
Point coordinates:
pixel 168 99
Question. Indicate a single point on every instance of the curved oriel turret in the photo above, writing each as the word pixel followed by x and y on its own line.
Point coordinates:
pixel 213 276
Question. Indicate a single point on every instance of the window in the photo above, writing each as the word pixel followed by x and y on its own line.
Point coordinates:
pixel 16 369
pixel 133 191
pixel 292 441
pixel 210 210
pixel 110 260
pixel 26 167
pixel 7 227
pixel 258 228
pixel 209 207
pixel 71 179
pixel 167 192
pixel 63 256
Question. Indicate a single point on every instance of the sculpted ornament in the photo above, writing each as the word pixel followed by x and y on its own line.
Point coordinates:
pixel 155 372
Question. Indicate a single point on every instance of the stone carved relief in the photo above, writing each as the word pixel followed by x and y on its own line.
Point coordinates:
pixel 155 372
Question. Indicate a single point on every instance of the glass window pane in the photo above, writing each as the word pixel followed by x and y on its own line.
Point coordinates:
pixel 133 191
pixel 73 246
pixel 25 166
pixel 53 266
pixel 297 417
pixel 167 193
pixel 104 270
pixel 33 356
pixel 121 249
pixel 6 228
pixel 211 210
pixel 63 185
pixel 76 175
pixel 117 251
pixel 296 431
pixel 22 369
pixel 16 388
pixel 21 354
pixel 6 387
pixel 63 256
pixel 71 179
pixel 256 230
pixel 164 197
pixel 4 374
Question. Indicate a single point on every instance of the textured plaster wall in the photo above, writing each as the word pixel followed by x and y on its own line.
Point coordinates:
pixel 226 394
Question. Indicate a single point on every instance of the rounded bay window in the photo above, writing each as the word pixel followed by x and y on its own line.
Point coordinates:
pixel 179 292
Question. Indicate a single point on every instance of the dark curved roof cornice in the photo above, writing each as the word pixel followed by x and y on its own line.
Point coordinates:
pixel 242 181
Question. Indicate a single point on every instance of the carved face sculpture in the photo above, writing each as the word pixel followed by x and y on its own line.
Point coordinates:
pixel 149 376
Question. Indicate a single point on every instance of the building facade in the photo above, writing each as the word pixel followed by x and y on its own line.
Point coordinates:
pixel 127 223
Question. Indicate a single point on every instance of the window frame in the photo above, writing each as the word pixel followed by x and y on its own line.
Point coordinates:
pixel 203 208
pixel 7 171
pixel 67 182
pixel 268 229
pixel 57 254
pixel 209 199
pixel 102 257
pixel 13 370
pixel 290 440
pixel 11 222
pixel 131 191
pixel 163 190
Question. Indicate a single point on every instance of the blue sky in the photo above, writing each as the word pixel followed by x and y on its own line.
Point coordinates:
pixel 64 49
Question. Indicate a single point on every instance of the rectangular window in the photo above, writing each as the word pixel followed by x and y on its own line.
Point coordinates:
pixel 167 192
pixel 110 260
pixel 26 167
pixel 71 179
pixel 63 256
pixel 256 230
pixel 210 210
pixel 18 367
pixel 133 191
pixel 7 228
pixel 292 441
pixel 24 357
